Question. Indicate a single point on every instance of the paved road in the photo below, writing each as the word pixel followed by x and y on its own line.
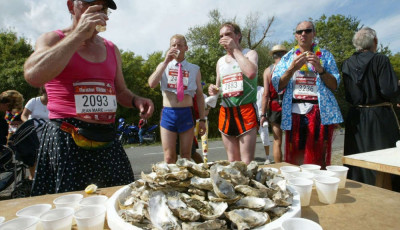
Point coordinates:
pixel 142 157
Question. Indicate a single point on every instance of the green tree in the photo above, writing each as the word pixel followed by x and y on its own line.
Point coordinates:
pixel 395 61
pixel 13 53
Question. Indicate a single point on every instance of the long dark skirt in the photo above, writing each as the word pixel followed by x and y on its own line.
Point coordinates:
pixel 63 166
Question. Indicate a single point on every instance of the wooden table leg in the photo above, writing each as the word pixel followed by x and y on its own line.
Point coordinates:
pixel 383 180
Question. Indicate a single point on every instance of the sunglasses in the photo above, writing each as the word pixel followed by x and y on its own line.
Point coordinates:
pixel 306 30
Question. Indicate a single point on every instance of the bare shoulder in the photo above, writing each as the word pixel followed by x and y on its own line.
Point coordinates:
pixel 47 40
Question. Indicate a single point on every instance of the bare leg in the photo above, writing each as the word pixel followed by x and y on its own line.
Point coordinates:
pixel 277 147
pixel 168 141
pixel 186 141
pixel 232 147
pixel 247 144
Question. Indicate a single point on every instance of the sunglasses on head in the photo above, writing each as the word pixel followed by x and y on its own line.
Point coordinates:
pixel 305 30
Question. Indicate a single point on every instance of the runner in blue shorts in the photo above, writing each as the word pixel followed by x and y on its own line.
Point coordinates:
pixel 180 81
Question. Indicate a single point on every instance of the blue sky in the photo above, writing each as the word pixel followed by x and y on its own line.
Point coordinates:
pixel 146 26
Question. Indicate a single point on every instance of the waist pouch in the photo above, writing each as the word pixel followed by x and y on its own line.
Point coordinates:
pixel 95 137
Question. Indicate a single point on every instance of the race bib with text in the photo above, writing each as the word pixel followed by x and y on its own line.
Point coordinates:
pixel 173 78
pixel 305 87
pixel 232 85
pixel 95 100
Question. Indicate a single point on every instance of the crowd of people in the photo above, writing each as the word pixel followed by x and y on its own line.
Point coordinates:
pixel 78 146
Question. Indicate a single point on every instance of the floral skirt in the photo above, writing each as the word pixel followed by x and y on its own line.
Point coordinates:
pixel 62 166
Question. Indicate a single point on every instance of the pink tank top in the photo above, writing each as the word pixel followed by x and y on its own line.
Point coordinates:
pixel 61 89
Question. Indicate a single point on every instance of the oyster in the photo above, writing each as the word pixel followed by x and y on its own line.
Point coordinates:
pixel 189 196
pixel 250 191
pixel 254 203
pixel 196 169
pixel 160 215
pixel 206 225
pixel 247 219
pixel 214 198
pixel 201 183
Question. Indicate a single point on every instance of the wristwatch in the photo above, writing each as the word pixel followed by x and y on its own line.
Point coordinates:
pixel 263 115
pixel 323 72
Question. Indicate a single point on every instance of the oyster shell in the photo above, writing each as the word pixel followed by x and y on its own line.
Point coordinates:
pixel 202 183
pixel 250 191
pixel 206 225
pixel 161 216
pixel 254 203
pixel 247 218
pixel 196 169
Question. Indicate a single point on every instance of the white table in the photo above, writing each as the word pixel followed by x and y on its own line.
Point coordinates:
pixel 384 161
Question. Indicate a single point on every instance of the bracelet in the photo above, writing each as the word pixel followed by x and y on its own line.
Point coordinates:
pixel 323 72
pixel 203 120
pixel 133 102
pixel 263 115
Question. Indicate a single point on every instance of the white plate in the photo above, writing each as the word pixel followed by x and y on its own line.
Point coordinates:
pixel 115 222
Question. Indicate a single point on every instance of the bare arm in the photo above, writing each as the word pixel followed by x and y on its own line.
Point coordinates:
pixel 25 114
pixel 296 64
pixel 214 89
pixel 200 104
pixel 156 76
pixel 52 55
pixel 327 78
pixel 248 63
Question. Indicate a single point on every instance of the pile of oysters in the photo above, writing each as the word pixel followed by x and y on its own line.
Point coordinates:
pixel 221 195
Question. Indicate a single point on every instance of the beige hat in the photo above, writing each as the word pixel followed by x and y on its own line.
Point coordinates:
pixel 277 48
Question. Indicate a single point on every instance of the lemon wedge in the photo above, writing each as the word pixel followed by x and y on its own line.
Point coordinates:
pixel 91 188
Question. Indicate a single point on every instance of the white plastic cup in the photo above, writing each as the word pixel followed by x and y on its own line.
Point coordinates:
pixel 35 211
pixel 304 187
pixel 57 219
pixel 90 217
pixel 68 201
pixel 2 219
pixel 340 172
pixel 93 200
pixel 20 223
pixel 300 224
pixel 318 173
pixel 309 167
pixel 306 175
pixel 287 170
pixel 327 188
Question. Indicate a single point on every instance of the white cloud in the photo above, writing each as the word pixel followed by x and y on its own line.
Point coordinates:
pixel 388 32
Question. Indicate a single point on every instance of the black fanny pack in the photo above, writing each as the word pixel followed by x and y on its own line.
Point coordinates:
pixel 97 132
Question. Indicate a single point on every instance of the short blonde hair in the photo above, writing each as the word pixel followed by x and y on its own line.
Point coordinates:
pixel 179 37
pixel 13 98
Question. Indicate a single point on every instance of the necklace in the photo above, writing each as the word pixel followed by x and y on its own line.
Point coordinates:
pixel 308 67
pixel 10 117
